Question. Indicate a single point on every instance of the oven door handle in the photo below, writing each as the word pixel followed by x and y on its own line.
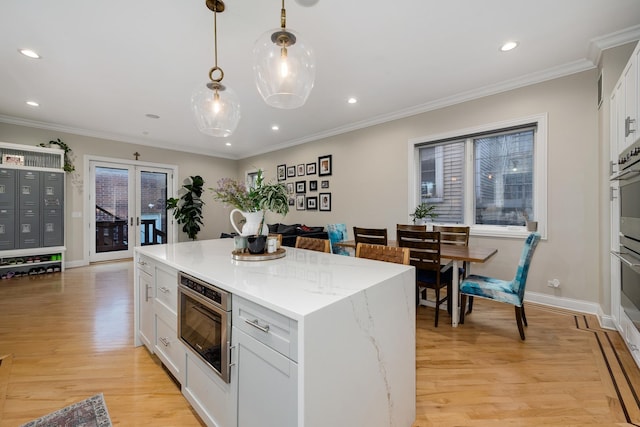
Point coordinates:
pixel 628 259
pixel 196 296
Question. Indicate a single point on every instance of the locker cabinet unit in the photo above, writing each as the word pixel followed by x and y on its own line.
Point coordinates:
pixel 32 185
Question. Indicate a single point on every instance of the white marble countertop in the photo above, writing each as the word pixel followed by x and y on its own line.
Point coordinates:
pixel 296 285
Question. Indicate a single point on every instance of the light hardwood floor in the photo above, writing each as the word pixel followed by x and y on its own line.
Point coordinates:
pixel 68 336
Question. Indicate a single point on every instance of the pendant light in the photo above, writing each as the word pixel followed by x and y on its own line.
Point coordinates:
pixel 215 106
pixel 284 66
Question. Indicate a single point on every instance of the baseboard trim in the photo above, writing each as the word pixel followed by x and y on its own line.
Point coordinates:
pixel 606 321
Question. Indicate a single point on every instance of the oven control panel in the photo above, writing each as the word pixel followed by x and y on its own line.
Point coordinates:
pixel 629 156
pixel 207 290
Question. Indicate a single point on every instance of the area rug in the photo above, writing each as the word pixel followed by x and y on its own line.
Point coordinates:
pixel 91 412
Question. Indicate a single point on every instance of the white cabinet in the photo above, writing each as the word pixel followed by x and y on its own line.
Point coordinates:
pixel 167 347
pixel 626 103
pixel 266 374
pixel 145 313
pixel 156 313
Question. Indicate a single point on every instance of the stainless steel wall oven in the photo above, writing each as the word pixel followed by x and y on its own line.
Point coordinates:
pixel 204 322
pixel 629 180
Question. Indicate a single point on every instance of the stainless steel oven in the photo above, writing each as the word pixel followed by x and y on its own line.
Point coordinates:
pixel 629 182
pixel 204 322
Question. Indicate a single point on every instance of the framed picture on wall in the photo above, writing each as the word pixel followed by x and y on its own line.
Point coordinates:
pixel 301 187
pixel 313 185
pixel 300 170
pixel 324 184
pixel 292 201
pixel 325 201
pixel 312 203
pixel 300 203
pixel 291 171
pixel 290 188
pixel 311 168
pixel 325 165
pixel 282 172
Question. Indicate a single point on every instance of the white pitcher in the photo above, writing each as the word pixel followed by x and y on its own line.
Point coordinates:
pixel 252 222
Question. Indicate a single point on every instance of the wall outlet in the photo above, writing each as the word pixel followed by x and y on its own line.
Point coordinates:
pixel 553 283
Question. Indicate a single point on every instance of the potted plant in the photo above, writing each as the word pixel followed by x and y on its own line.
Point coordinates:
pixel 253 203
pixel 422 211
pixel 530 224
pixel 187 210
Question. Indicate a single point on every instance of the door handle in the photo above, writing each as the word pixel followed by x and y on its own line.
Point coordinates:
pixel 137 220
pixel 131 221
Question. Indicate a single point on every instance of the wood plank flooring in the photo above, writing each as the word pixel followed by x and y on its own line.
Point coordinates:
pixel 67 336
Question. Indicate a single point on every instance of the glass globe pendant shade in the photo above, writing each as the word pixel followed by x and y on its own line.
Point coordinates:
pixel 285 68
pixel 216 109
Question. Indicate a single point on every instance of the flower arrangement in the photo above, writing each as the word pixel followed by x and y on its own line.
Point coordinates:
pixel 262 197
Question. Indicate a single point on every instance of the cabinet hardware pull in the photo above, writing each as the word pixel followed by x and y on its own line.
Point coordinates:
pixel 231 363
pixel 164 341
pixel 257 325
pixel 164 290
pixel 146 293
pixel 633 347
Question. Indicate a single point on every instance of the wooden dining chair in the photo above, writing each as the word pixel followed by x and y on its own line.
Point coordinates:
pixel 411 227
pixel 507 291
pixel 424 255
pixel 456 235
pixel 375 236
pixel 320 245
pixel 383 253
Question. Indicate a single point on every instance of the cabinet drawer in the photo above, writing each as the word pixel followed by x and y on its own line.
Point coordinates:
pixel 167 288
pixel 145 264
pixel 169 348
pixel 270 328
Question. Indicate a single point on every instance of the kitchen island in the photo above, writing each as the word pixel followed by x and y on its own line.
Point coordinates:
pixel 350 353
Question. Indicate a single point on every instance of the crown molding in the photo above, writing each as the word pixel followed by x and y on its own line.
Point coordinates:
pixel 597 45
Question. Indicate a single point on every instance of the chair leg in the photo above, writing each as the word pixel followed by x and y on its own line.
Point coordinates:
pixel 463 302
pixel 524 317
pixel 519 321
pixel 437 304
pixel 470 304
pixel 449 299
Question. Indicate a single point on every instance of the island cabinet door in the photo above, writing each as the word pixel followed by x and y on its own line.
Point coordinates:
pixel 145 312
pixel 267 384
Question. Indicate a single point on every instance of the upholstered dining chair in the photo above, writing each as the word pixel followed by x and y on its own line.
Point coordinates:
pixel 456 235
pixel 424 255
pixel 337 233
pixel 320 245
pixel 383 253
pixel 412 227
pixel 507 291
pixel 375 236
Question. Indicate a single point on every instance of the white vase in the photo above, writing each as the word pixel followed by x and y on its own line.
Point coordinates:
pixel 252 222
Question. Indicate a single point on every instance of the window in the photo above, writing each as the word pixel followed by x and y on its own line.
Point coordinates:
pixel 492 178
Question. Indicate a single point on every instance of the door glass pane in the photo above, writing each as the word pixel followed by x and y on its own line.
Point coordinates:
pixel 153 199
pixel 112 209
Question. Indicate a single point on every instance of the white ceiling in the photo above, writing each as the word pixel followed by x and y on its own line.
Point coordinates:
pixel 106 64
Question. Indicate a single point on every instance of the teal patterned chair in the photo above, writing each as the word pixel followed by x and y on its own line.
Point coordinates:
pixel 507 291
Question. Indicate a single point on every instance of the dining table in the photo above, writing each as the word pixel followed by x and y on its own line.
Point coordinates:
pixel 456 254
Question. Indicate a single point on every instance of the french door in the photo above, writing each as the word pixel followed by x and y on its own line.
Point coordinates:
pixel 128 208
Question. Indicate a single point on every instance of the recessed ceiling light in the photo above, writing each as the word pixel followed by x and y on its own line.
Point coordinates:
pixel 33 104
pixel 508 46
pixel 275 127
pixel 352 100
pixel 228 144
pixel 152 116
pixel 30 53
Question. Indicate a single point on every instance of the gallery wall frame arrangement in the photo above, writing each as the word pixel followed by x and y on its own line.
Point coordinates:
pixel 297 189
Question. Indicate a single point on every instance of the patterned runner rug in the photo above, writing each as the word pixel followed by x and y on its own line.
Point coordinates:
pixel 91 412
